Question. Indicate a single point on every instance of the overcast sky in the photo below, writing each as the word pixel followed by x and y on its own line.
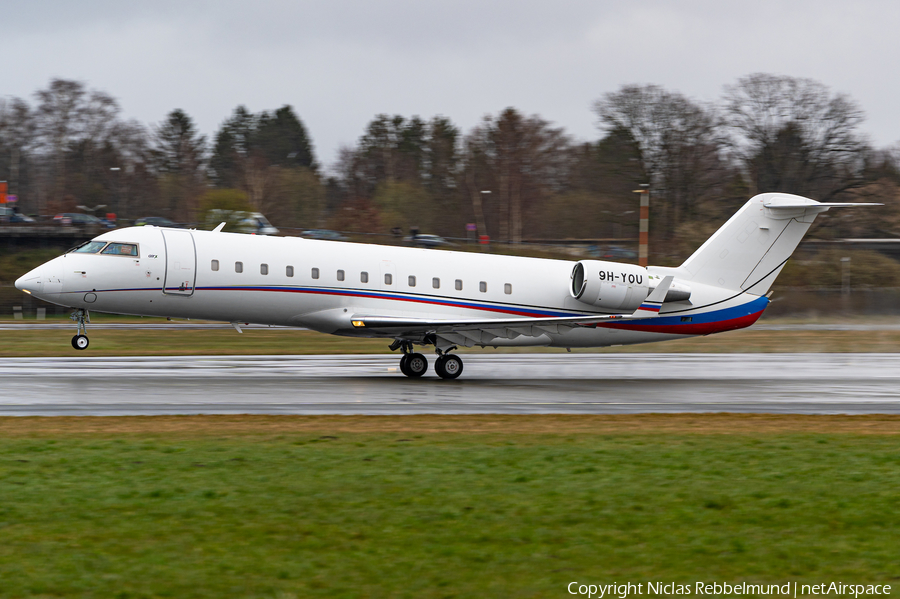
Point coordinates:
pixel 339 63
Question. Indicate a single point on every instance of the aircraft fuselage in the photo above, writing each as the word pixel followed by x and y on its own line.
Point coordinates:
pixel 323 285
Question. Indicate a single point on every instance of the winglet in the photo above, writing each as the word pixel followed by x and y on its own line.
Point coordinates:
pixel 650 306
pixel 218 228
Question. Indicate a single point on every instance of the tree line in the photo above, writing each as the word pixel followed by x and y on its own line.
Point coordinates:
pixel 515 176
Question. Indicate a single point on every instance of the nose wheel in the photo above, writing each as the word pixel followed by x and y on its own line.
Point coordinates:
pixel 81 317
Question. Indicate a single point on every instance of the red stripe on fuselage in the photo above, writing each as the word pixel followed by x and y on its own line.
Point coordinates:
pixel 688 328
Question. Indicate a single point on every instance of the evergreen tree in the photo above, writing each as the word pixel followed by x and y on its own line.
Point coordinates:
pixel 282 139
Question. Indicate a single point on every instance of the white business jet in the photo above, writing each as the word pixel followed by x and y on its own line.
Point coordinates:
pixel 430 297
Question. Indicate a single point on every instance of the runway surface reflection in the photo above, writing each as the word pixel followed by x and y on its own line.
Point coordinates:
pixel 491 383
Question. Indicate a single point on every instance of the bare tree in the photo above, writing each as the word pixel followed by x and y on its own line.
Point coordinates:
pixel 794 135
pixel 17 139
pixel 131 179
pixel 680 144
pixel 522 160
pixel 60 112
pixel 74 129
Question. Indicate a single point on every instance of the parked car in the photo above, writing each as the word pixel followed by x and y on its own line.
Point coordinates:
pixel 615 252
pixel 425 240
pixel 157 221
pixel 326 234
pixel 11 215
pixel 77 218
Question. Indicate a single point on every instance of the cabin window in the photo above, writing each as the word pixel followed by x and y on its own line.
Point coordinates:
pixel 388 278
pixel 436 283
pixel 507 288
pixel 121 249
pixel 289 271
pixel 214 265
pixel 238 267
pixel 482 287
pixel 263 269
pixel 315 273
pixel 412 280
pixel 459 284
pixel 340 275
pixel 363 277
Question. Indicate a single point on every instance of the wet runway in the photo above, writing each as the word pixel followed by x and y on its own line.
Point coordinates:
pixel 491 383
pixel 46 325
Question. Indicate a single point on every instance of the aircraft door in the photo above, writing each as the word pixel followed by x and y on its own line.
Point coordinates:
pixel 181 263
pixel 388 276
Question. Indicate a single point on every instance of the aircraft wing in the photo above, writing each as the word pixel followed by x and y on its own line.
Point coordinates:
pixel 472 331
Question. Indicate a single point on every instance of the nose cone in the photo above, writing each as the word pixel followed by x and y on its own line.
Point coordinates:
pixel 30 282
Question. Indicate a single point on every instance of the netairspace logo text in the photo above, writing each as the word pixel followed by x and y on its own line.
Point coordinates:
pixel 789 589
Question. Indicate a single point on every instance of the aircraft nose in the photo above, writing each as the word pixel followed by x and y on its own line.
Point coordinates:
pixel 30 282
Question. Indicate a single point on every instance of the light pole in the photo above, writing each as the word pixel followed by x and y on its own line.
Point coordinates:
pixel 483 238
pixel 644 230
pixel 116 169
pixel 845 276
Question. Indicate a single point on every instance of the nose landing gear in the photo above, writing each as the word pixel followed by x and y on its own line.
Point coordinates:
pixel 80 340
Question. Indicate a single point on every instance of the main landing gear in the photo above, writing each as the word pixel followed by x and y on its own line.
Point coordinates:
pixel 80 340
pixel 447 365
pixel 414 365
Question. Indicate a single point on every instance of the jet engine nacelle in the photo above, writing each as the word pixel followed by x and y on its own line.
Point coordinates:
pixel 609 284
pixel 617 286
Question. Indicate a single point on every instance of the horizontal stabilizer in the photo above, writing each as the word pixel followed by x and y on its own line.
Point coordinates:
pixel 784 205
pixel 748 251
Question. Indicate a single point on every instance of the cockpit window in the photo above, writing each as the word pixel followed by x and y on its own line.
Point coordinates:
pixel 121 249
pixel 91 247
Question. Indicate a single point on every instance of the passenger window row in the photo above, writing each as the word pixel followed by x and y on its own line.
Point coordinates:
pixel 364 277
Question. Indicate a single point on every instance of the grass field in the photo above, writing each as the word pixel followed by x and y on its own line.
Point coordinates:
pixel 425 506
pixel 192 341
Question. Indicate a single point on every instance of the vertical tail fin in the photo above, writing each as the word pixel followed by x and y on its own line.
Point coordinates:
pixel 748 251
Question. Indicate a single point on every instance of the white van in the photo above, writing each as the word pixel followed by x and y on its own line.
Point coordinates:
pixel 241 222
pixel 257 224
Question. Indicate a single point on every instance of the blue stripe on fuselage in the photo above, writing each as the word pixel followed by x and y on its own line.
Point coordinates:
pixel 395 296
pixel 751 307
pixel 711 316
